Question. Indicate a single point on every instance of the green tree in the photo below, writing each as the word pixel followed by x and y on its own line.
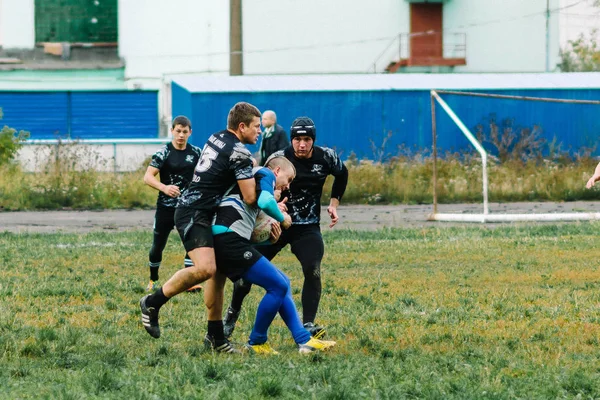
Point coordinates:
pixel 581 55
pixel 10 142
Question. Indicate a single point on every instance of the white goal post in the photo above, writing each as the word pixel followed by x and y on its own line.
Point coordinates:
pixel 485 216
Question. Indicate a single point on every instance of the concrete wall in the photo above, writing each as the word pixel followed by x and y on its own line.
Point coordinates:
pixel 104 157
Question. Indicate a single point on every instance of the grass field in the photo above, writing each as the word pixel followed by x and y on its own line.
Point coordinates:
pixel 470 313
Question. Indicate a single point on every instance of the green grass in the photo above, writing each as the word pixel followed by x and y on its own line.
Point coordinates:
pixel 473 312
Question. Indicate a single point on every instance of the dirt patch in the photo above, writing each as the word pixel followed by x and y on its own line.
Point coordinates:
pixel 356 217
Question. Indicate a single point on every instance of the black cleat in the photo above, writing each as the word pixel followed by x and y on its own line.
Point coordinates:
pixel 224 347
pixel 150 318
pixel 316 331
pixel 231 317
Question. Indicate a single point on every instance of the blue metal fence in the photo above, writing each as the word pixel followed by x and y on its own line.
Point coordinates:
pixel 82 114
pixel 362 122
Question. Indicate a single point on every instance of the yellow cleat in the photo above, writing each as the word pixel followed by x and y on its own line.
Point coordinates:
pixel 264 348
pixel 152 286
pixel 315 345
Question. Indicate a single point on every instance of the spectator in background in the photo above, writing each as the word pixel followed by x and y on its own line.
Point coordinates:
pixel 594 178
pixel 274 136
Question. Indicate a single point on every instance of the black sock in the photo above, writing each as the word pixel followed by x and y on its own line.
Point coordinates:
pixel 215 330
pixel 241 289
pixel 153 274
pixel 156 299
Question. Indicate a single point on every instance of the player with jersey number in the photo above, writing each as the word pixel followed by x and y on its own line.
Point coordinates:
pixel 313 164
pixel 224 162
pixel 237 258
pixel 175 162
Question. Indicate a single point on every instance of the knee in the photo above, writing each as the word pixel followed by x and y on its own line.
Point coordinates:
pixel 202 272
pixel 287 280
pixel 312 271
pixel 242 286
pixel 281 286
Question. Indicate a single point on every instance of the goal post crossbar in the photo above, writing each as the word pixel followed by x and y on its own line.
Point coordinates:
pixel 485 216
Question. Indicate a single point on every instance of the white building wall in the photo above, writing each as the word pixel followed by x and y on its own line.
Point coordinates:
pixel 17 24
pixel 158 38
pixel 504 35
pixel 577 18
pixel 315 36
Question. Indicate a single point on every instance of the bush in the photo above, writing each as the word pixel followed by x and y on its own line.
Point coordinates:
pixel 10 142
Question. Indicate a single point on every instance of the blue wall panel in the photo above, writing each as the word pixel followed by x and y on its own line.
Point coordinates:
pixel 360 121
pixel 114 114
pixel 82 115
pixel 43 114
pixel 181 102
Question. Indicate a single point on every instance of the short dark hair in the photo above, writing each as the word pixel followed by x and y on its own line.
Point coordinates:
pixel 183 121
pixel 241 112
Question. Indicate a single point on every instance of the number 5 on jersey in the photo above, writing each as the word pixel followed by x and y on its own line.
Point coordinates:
pixel 206 159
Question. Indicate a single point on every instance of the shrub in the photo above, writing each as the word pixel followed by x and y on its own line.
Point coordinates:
pixel 10 142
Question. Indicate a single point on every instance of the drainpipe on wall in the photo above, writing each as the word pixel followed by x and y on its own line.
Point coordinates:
pixel 236 61
pixel 547 35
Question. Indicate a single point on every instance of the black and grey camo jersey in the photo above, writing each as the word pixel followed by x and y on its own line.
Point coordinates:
pixel 224 161
pixel 176 168
pixel 304 202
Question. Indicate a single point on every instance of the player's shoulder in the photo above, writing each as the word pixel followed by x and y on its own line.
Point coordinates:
pixel 326 152
pixel 281 153
pixel 222 140
pixel 164 149
pixel 278 153
pixel 195 149
pixel 160 156
pixel 239 150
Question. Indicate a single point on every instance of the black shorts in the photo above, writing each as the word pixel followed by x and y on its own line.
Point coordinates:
pixel 234 254
pixel 164 219
pixel 306 243
pixel 194 227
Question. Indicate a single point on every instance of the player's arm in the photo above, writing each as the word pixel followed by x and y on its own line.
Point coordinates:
pixel 595 178
pixel 266 197
pixel 248 190
pixel 338 189
pixel 151 180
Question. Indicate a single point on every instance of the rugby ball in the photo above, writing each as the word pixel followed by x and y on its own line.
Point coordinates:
pixel 262 228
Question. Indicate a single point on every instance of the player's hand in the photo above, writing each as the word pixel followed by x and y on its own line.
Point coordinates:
pixel 591 182
pixel 333 215
pixel 287 221
pixel 275 233
pixel 171 191
pixel 282 206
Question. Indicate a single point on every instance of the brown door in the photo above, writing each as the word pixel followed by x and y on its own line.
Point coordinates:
pixel 425 17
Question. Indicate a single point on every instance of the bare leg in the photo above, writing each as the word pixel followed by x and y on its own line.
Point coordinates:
pixel 213 296
pixel 204 268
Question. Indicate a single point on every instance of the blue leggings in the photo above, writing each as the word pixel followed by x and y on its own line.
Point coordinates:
pixel 277 299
